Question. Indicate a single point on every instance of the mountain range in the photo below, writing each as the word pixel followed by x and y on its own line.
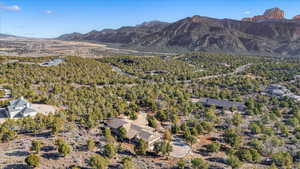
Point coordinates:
pixel 268 34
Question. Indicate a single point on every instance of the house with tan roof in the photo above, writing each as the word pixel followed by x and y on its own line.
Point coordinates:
pixel 134 130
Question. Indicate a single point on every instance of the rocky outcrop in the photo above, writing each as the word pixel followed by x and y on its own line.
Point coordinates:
pixel 274 13
pixel 270 14
pixel 296 17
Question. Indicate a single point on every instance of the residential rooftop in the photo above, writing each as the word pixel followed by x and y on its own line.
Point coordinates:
pixel 222 103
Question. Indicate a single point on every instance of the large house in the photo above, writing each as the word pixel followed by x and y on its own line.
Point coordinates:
pixel 134 130
pixel 276 90
pixel 280 91
pixel 53 62
pixel 19 108
pixel 222 103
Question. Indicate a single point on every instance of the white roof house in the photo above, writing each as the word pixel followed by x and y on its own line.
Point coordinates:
pixel 53 62
pixel 19 108
pixel 277 90
pixel 281 91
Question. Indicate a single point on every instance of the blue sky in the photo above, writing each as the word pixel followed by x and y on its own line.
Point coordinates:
pixel 51 18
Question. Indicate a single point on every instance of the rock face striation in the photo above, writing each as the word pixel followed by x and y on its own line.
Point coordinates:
pixel 270 14
pixel 269 34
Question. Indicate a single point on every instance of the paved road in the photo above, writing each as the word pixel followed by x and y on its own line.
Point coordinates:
pixel 120 71
pixel 236 71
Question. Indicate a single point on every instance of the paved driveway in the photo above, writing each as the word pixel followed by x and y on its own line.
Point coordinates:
pixel 180 148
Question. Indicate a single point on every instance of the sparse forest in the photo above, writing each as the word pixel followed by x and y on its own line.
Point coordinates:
pixel 89 91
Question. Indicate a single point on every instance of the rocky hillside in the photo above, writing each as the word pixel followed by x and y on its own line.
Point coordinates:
pixel 207 34
pixel 124 35
pixel 267 34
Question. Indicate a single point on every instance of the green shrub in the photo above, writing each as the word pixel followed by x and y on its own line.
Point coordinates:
pixel 127 163
pixel 33 160
pixel 36 146
pixel 234 162
pixel 109 150
pixel 214 147
pixel 199 163
pixel 282 159
pixel 98 162
pixel 91 145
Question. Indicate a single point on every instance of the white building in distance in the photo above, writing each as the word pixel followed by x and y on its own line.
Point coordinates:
pixel 19 108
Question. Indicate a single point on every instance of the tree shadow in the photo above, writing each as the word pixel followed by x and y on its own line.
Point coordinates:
pixel 100 153
pixel 126 152
pixel 202 151
pixel 47 148
pixel 51 156
pixel 214 139
pixel 81 148
pixel 217 160
pixel 42 135
pixel 152 154
pixel 215 167
pixel 18 166
pixel 114 166
pixel 73 166
pixel 18 153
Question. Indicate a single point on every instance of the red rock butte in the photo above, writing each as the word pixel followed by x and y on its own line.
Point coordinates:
pixel 274 13
pixel 296 17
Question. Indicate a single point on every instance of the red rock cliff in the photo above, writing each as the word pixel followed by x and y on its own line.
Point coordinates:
pixel 274 13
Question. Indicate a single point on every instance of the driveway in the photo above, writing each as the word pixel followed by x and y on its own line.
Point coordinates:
pixel 180 148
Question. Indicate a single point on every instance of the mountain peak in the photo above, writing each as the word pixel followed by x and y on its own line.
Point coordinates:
pixel 152 23
pixel 274 13
pixel 297 17
pixel 269 14
pixel 199 19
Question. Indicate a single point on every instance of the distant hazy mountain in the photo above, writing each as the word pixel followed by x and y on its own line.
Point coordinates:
pixel 267 34
pixel 6 35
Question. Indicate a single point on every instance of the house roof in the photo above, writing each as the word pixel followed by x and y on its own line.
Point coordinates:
pixel 19 107
pixel 276 86
pixel 53 62
pixel 221 103
pixel 18 102
pixel 116 122
pixel 133 130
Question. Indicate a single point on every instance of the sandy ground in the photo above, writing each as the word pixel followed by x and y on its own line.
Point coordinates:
pixel 14 153
pixel 44 109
